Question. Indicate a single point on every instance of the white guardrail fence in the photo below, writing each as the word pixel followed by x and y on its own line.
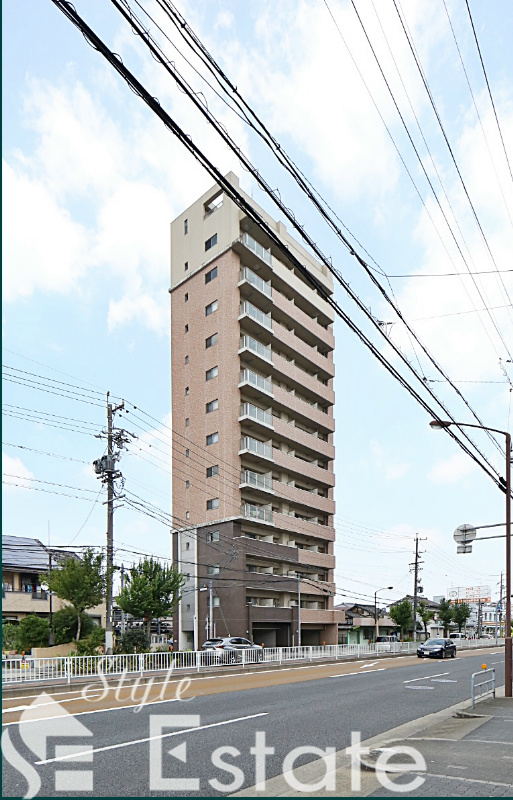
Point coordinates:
pixel 17 670
pixel 481 688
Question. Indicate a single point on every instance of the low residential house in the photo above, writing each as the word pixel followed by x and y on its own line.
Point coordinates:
pixel 360 625
pixel 434 627
pixel 23 561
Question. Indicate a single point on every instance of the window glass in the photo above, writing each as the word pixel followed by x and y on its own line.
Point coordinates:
pixel 210 275
pixel 211 373
pixel 210 341
pixel 187 485
pixel 211 308
pixel 213 536
pixel 187 453
pixel 186 359
pixel 186 266
pixel 211 242
pixel 186 329
pixel 186 390
pixel 211 471
pixel 212 438
pixel 212 406
pixel 186 297
pixel 187 422
pixel 212 503
pixel 185 227
pixel 213 569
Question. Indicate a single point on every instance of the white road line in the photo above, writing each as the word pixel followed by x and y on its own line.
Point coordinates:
pixel 150 738
pixel 372 664
pixel 40 705
pixel 346 674
pixel 427 677
pixel 419 687
pixel 95 711
pixel 455 766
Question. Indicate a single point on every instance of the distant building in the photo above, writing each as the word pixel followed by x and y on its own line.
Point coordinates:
pixel 360 624
pixel 23 561
pixel 252 401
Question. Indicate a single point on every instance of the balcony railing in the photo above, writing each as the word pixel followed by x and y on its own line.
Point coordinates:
pixel 264 384
pixel 247 274
pixel 256 480
pixel 255 446
pixel 256 313
pixel 262 252
pixel 260 513
pixel 262 350
pixel 249 410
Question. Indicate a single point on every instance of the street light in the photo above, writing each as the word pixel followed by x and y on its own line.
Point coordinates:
pixel 508 654
pixel 376 624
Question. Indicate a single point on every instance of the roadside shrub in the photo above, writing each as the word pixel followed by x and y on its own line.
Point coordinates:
pixel 9 636
pixel 133 641
pixel 33 632
pixel 90 645
pixel 65 624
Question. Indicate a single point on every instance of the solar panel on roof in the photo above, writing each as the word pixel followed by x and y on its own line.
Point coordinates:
pixel 23 553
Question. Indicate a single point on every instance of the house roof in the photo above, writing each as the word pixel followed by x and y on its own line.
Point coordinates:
pixel 24 553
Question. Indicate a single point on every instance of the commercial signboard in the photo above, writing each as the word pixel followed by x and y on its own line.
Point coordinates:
pixel 469 594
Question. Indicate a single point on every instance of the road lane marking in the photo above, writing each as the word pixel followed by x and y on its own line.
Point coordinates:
pixel 455 766
pixel 372 664
pixel 96 711
pixel 150 738
pixel 442 680
pixel 69 700
pixel 346 674
pixel 426 677
pixel 419 687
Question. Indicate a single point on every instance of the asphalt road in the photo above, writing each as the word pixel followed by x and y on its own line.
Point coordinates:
pixel 369 697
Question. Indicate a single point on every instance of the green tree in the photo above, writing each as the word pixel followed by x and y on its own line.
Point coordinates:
pixel 151 591
pixel 9 636
pixel 79 581
pixel 426 614
pixel 445 613
pixel 33 632
pixel 460 614
pixel 89 645
pixel 133 641
pixel 402 614
pixel 65 625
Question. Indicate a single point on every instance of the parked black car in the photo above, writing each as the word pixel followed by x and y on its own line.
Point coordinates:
pixel 229 649
pixel 437 648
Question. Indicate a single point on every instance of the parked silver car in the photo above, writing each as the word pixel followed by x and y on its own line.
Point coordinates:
pixel 230 648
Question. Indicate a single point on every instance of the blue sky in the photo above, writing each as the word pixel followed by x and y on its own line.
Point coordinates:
pixel 92 181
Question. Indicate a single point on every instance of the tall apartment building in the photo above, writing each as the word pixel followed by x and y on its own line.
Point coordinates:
pixel 252 403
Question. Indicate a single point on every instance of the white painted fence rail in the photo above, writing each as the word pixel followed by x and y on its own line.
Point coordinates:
pixel 17 670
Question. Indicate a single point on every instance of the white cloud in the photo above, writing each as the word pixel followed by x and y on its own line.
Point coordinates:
pixel 44 249
pixel 452 469
pixel 388 464
pixel 14 472
pixel 152 312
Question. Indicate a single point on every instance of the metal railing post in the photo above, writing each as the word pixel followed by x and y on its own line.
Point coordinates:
pixel 68 669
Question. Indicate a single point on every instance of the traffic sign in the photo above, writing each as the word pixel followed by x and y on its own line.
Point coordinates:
pixel 464 534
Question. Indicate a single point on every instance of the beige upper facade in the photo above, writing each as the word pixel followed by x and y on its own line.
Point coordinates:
pixel 252 403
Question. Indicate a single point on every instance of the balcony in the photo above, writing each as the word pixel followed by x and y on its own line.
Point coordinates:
pixel 249 411
pixel 289 373
pixel 303 527
pixel 312 414
pixel 254 480
pixel 288 312
pixel 250 379
pixel 254 281
pixel 296 347
pixel 297 436
pixel 312 558
pixel 315 502
pixel 326 617
pixel 255 248
pixel 296 466
pixel 257 513
pixel 254 318
pixel 261 350
pixel 251 446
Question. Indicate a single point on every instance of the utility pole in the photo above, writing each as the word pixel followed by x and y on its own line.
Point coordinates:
pixel 123 621
pixel 479 619
pixel 416 565
pixel 106 468
pixel 298 609
pixel 210 611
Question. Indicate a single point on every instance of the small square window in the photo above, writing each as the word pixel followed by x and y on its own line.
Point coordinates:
pixel 210 341
pixel 186 297
pixel 187 486
pixel 213 536
pixel 212 503
pixel 186 266
pixel 213 569
pixel 211 373
pixel 211 242
pixel 187 515
pixel 186 329
pixel 186 391
pixel 211 471
pixel 187 545
pixel 212 406
pixel 212 438
pixel 186 359
pixel 185 227
pixel 189 606
pixel 211 308
pixel 215 601
pixel 187 422
pixel 187 453
pixel 210 275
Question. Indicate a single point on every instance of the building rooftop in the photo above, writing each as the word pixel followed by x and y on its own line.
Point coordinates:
pixel 24 553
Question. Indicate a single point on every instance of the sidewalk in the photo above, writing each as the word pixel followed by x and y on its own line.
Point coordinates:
pixel 468 753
